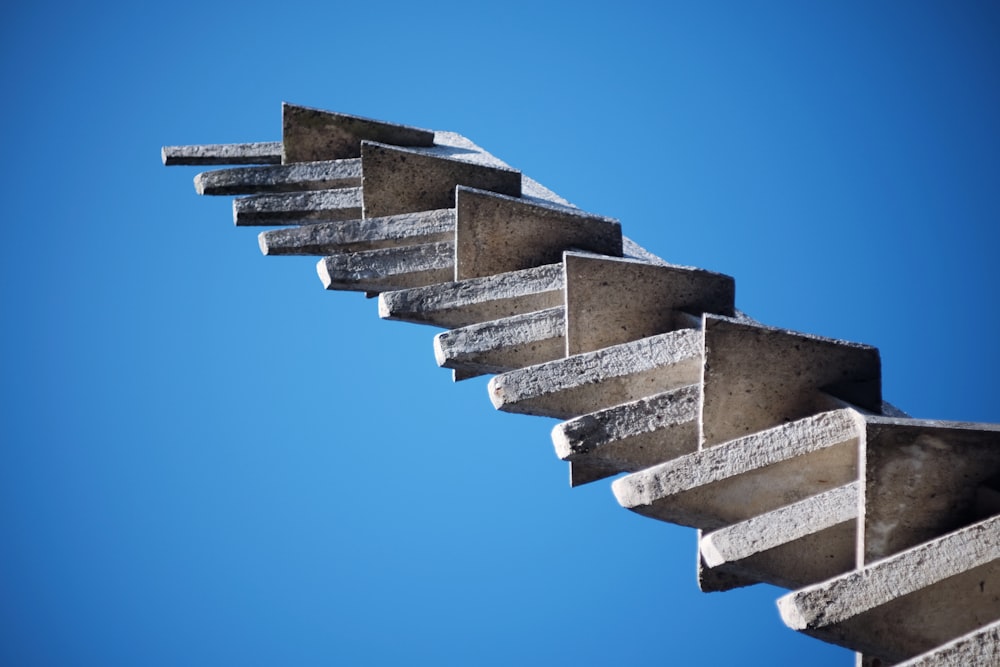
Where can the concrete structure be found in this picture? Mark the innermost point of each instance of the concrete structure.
(776, 445)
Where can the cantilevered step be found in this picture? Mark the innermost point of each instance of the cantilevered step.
(265, 152)
(309, 135)
(466, 302)
(594, 381)
(631, 436)
(327, 175)
(298, 207)
(910, 603)
(979, 648)
(375, 271)
(325, 238)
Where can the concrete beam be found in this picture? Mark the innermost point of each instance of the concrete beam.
(309, 134)
(612, 301)
(387, 268)
(459, 304)
(501, 345)
(909, 603)
(280, 178)
(265, 152)
(297, 207)
(748, 476)
(398, 180)
(757, 377)
(921, 481)
(326, 238)
(979, 648)
(631, 436)
(795, 545)
(498, 234)
(594, 381)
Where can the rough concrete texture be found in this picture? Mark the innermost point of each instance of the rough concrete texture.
(387, 268)
(397, 180)
(297, 207)
(266, 152)
(756, 377)
(498, 234)
(313, 134)
(795, 545)
(909, 603)
(613, 301)
(631, 436)
(748, 476)
(280, 178)
(594, 381)
(466, 302)
(326, 238)
(979, 648)
(921, 481)
(502, 345)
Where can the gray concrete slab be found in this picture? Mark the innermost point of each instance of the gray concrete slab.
(458, 304)
(979, 648)
(387, 268)
(297, 207)
(611, 301)
(795, 545)
(742, 478)
(264, 152)
(326, 238)
(310, 134)
(398, 180)
(757, 377)
(909, 603)
(280, 178)
(498, 234)
(631, 436)
(501, 345)
(594, 381)
(921, 480)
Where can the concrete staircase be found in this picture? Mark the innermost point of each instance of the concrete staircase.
(777, 446)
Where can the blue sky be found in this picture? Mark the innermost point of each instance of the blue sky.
(206, 459)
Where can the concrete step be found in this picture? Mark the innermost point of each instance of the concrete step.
(264, 152)
(631, 436)
(375, 271)
(325, 238)
(907, 604)
(466, 302)
(309, 135)
(280, 178)
(979, 648)
(298, 208)
(593, 381)
(498, 346)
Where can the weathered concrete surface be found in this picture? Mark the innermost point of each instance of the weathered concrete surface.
(298, 207)
(597, 380)
(498, 234)
(613, 301)
(266, 152)
(459, 304)
(748, 476)
(795, 545)
(327, 238)
(387, 268)
(501, 345)
(398, 180)
(309, 134)
(280, 178)
(921, 480)
(980, 648)
(909, 603)
(757, 377)
(631, 436)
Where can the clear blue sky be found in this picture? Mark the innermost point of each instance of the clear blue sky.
(208, 460)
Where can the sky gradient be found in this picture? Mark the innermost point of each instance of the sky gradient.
(209, 460)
